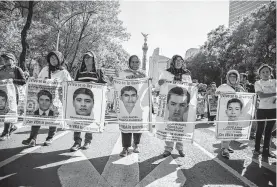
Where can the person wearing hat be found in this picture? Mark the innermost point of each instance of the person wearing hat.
(54, 70)
(88, 72)
(266, 90)
(232, 86)
(9, 70)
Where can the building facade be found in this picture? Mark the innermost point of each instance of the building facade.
(157, 64)
(238, 9)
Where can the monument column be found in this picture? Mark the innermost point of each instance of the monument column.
(144, 49)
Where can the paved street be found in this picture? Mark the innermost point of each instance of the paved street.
(102, 166)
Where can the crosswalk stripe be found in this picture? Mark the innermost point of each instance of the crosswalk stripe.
(228, 168)
(167, 173)
(121, 171)
(78, 171)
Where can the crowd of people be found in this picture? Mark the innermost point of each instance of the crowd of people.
(265, 89)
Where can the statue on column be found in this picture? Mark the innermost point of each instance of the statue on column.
(145, 37)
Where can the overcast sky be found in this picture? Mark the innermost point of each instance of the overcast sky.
(174, 26)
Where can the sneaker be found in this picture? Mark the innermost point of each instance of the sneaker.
(124, 152)
(166, 153)
(136, 148)
(230, 150)
(4, 137)
(181, 153)
(75, 147)
(14, 128)
(48, 142)
(86, 146)
(225, 153)
(30, 142)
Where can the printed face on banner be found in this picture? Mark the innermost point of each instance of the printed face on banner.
(7, 98)
(44, 99)
(129, 97)
(233, 109)
(84, 101)
(3, 100)
(132, 104)
(178, 99)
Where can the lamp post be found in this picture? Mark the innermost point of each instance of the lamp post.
(61, 23)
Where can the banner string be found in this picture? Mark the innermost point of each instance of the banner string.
(128, 122)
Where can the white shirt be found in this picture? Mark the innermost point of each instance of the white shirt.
(60, 75)
(268, 86)
(46, 112)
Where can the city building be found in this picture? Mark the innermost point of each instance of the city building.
(238, 9)
(157, 64)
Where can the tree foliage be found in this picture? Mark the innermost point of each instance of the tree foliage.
(83, 26)
(244, 47)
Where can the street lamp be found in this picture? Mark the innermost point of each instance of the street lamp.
(61, 23)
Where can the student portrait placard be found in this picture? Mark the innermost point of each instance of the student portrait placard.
(177, 103)
(233, 108)
(43, 104)
(8, 106)
(212, 104)
(84, 106)
(132, 104)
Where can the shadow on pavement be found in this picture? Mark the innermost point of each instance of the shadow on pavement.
(24, 171)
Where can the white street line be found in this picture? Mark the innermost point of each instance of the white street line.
(228, 168)
(78, 171)
(28, 150)
(4, 177)
(121, 171)
(167, 173)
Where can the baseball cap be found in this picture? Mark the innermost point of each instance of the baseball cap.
(9, 55)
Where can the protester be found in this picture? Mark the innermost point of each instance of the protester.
(10, 71)
(133, 72)
(176, 72)
(55, 70)
(232, 86)
(266, 90)
(87, 73)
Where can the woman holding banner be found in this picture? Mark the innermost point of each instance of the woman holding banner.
(232, 86)
(176, 72)
(55, 70)
(131, 73)
(87, 73)
(266, 90)
(10, 71)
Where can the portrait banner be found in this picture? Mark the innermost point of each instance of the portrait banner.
(84, 106)
(212, 104)
(233, 108)
(132, 104)
(43, 104)
(8, 106)
(177, 103)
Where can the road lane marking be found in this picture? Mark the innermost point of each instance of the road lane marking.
(78, 171)
(167, 173)
(27, 151)
(228, 168)
(121, 171)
